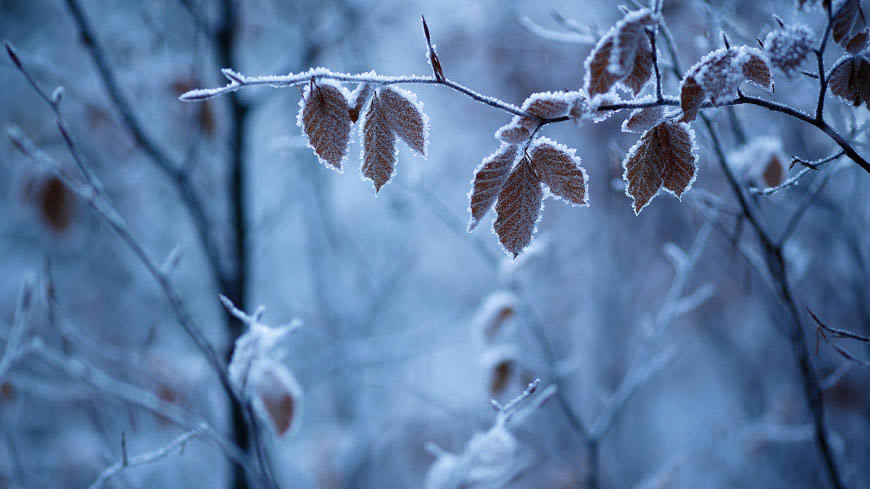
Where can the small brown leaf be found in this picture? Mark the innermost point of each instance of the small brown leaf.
(774, 171)
(559, 169)
(489, 178)
(518, 130)
(850, 80)
(500, 376)
(642, 120)
(858, 42)
(276, 395)
(379, 145)
(359, 97)
(55, 203)
(405, 116)
(756, 70)
(323, 116)
(663, 157)
(844, 19)
(598, 78)
(547, 105)
(691, 98)
(642, 71)
(518, 208)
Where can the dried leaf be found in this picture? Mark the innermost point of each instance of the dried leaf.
(757, 70)
(774, 171)
(642, 120)
(379, 145)
(518, 130)
(55, 203)
(850, 80)
(858, 42)
(843, 20)
(663, 157)
(405, 116)
(789, 47)
(691, 98)
(642, 71)
(500, 376)
(598, 78)
(358, 98)
(276, 396)
(518, 208)
(548, 105)
(323, 116)
(559, 169)
(488, 180)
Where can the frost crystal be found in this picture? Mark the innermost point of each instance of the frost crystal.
(789, 47)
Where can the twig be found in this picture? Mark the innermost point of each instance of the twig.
(146, 458)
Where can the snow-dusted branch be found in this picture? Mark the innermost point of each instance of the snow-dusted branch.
(177, 445)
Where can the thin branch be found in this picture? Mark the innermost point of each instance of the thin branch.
(146, 458)
(790, 182)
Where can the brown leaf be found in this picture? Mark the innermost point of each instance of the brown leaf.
(598, 78)
(518, 208)
(518, 130)
(850, 80)
(559, 169)
(756, 70)
(55, 203)
(277, 394)
(691, 98)
(489, 178)
(500, 376)
(642, 71)
(547, 105)
(405, 116)
(323, 116)
(379, 145)
(358, 98)
(642, 120)
(858, 42)
(774, 171)
(663, 157)
(844, 19)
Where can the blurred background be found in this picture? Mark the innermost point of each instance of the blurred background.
(659, 330)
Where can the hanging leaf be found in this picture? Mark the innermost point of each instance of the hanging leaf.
(642, 120)
(488, 180)
(858, 42)
(518, 130)
(844, 19)
(518, 208)
(718, 76)
(323, 116)
(663, 157)
(406, 118)
(379, 145)
(358, 98)
(276, 395)
(559, 169)
(623, 54)
(850, 80)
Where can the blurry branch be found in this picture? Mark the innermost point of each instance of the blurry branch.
(803, 207)
(822, 329)
(664, 475)
(809, 166)
(19, 324)
(146, 458)
(175, 171)
(567, 36)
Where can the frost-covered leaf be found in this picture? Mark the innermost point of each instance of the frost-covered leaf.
(518, 208)
(323, 116)
(858, 42)
(491, 459)
(719, 74)
(850, 80)
(518, 130)
(664, 157)
(623, 54)
(846, 14)
(276, 396)
(642, 120)
(502, 363)
(691, 98)
(358, 99)
(379, 145)
(488, 180)
(642, 71)
(559, 169)
(549, 105)
(761, 160)
(405, 116)
(494, 311)
(789, 47)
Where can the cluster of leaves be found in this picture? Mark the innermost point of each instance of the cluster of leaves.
(327, 112)
(526, 168)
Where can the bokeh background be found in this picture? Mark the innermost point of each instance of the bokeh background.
(391, 289)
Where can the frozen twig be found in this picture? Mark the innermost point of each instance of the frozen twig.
(176, 445)
(19, 325)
